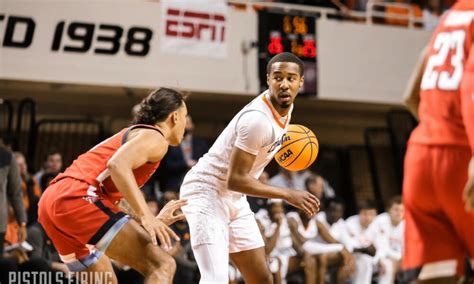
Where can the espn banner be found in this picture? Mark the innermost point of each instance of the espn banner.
(195, 27)
(129, 43)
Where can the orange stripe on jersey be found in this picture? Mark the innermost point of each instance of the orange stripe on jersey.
(275, 116)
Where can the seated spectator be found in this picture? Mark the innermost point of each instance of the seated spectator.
(279, 243)
(318, 186)
(53, 163)
(306, 232)
(332, 220)
(392, 226)
(31, 190)
(180, 159)
(369, 247)
(290, 179)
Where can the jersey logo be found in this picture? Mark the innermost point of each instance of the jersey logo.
(278, 142)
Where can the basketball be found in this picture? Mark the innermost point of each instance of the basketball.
(299, 149)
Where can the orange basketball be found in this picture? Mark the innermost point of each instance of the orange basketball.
(299, 149)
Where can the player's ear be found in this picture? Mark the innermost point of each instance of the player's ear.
(174, 117)
(268, 79)
(301, 81)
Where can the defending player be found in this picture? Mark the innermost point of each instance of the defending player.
(78, 209)
(438, 230)
(218, 213)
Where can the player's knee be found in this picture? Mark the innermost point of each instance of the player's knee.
(265, 277)
(161, 263)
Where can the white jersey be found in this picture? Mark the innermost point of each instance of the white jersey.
(257, 129)
(394, 234)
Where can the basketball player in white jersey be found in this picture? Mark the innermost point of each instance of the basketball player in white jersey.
(218, 213)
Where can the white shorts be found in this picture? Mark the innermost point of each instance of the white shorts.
(218, 217)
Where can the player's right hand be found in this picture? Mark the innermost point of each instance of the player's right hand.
(303, 200)
(157, 228)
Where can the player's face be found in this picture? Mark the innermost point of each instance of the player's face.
(179, 126)
(396, 213)
(284, 82)
(367, 216)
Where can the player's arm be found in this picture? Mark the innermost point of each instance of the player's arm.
(411, 96)
(146, 146)
(240, 180)
(467, 107)
(253, 131)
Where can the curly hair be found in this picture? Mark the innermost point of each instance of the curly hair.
(158, 105)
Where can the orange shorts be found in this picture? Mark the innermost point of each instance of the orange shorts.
(80, 227)
(437, 226)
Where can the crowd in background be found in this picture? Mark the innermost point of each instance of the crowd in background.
(427, 12)
(364, 248)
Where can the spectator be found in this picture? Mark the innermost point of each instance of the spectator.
(10, 193)
(431, 14)
(318, 186)
(306, 232)
(180, 159)
(280, 245)
(369, 246)
(333, 220)
(392, 226)
(53, 163)
(290, 179)
(31, 190)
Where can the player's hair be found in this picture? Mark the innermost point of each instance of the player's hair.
(285, 57)
(158, 105)
(394, 200)
(367, 205)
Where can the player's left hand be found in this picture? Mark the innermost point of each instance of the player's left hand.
(468, 194)
(167, 213)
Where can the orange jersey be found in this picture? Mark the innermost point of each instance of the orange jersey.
(91, 168)
(440, 109)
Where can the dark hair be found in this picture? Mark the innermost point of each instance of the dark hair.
(394, 200)
(310, 179)
(335, 200)
(368, 205)
(50, 152)
(285, 57)
(158, 105)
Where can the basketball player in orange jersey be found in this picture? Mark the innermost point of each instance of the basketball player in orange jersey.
(439, 231)
(78, 210)
(218, 213)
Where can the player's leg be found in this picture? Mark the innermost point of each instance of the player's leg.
(246, 248)
(101, 272)
(253, 265)
(454, 162)
(427, 225)
(132, 246)
(213, 262)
